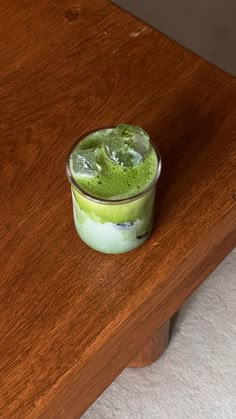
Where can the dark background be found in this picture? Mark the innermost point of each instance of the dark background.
(207, 27)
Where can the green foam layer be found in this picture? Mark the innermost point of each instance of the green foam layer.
(116, 181)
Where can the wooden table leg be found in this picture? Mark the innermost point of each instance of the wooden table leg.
(153, 349)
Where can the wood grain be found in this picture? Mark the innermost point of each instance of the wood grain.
(153, 349)
(71, 318)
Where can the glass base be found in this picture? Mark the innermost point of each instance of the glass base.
(109, 237)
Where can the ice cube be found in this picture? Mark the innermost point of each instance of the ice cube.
(86, 162)
(125, 226)
(128, 145)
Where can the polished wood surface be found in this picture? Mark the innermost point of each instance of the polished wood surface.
(72, 319)
(153, 349)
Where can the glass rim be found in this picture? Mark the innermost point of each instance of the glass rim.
(109, 201)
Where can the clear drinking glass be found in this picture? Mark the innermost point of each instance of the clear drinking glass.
(113, 225)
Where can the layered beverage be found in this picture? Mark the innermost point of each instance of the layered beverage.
(113, 174)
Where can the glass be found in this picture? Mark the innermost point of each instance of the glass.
(113, 225)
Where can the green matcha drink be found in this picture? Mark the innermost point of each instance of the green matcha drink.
(113, 173)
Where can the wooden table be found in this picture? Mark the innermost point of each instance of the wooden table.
(71, 318)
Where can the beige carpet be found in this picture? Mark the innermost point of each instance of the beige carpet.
(196, 377)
